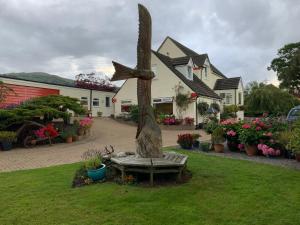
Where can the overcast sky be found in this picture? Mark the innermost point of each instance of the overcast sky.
(67, 37)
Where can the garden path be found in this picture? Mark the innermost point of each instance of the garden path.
(105, 132)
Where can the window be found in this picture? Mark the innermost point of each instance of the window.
(205, 72)
(125, 108)
(222, 95)
(228, 98)
(190, 73)
(96, 102)
(154, 70)
(240, 98)
(107, 101)
(84, 101)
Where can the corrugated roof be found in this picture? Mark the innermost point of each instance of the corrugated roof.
(229, 83)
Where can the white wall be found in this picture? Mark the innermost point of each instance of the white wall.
(170, 49)
(162, 86)
(72, 92)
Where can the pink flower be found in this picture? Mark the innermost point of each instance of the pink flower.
(258, 128)
(231, 133)
(246, 126)
(269, 134)
(277, 152)
(259, 146)
(241, 146)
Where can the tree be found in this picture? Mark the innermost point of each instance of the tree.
(287, 67)
(268, 98)
(91, 81)
(46, 107)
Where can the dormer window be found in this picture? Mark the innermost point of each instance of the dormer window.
(205, 73)
(190, 72)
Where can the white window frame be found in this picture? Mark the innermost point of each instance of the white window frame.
(107, 105)
(84, 101)
(190, 72)
(96, 100)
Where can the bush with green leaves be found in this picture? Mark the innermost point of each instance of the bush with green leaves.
(218, 135)
(93, 163)
(202, 108)
(134, 113)
(268, 98)
(210, 126)
(8, 136)
(215, 106)
(46, 107)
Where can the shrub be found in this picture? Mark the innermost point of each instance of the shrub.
(86, 123)
(249, 134)
(202, 108)
(46, 132)
(185, 140)
(215, 106)
(218, 135)
(210, 126)
(134, 113)
(93, 163)
(8, 136)
(189, 121)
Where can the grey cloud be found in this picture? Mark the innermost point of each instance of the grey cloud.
(66, 37)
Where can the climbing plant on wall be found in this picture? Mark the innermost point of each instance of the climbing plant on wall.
(182, 99)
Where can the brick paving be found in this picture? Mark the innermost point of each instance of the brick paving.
(104, 132)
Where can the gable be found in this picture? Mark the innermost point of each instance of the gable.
(169, 48)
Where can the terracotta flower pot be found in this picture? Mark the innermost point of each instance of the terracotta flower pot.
(80, 132)
(219, 148)
(75, 138)
(69, 139)
(33, 142)
(251, 150)
(297, 156)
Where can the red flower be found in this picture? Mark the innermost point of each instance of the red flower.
(246, 126)
(258, 128)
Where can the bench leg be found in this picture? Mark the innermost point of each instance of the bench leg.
(151, 178)
(179, 176)
(123, 174)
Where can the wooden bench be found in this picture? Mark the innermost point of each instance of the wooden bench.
(170, 163)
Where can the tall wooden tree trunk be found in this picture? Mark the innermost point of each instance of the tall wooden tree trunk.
(148, 136)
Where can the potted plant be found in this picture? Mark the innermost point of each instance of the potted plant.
(85, 125)
(295, 143)
(284, 138)
(96, 170)
(6, 139)
(218, 139)
(249, 136)
(205, 146)
(185, 141)
(67, 135)
(196, 142)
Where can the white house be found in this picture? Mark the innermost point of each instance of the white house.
(26, 88)
(173, 65)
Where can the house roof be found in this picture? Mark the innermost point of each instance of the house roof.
(45, 78)
(180, 60)
(198, 59)
(229, 83)
(196, 84)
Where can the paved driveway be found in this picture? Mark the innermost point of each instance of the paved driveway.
(105, 132)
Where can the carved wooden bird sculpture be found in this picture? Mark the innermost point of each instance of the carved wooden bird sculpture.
(148, 134)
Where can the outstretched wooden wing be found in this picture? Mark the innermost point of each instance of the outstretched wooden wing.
(144, 41)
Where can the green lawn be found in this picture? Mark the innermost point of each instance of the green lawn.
(222, 191)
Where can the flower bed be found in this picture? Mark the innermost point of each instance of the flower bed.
(262, 136)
